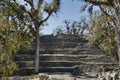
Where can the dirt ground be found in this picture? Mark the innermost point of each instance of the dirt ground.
(57, 76)
(68, 76)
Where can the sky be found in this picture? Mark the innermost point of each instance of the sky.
(68, 10)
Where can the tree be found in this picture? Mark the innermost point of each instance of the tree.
(13, 35)
(7, 66)
(115, 4)
(11, 39)
(72, 27)
(36, 14)
(102, 33)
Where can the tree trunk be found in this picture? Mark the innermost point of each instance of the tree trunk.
(37, 50)
(118, 32)
(118, 44)
(117, 20)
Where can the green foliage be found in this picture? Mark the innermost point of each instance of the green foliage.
(13, 35)
(53, 7)
(31, 18)
(103, 34)
(8, 42)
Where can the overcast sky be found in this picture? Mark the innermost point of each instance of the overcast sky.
(69, 10)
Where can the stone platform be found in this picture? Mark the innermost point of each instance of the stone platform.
(65, 53)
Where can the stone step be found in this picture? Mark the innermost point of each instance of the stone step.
(61, 39)
(81, 62)
(63, 51)
(62, 42)
(47, 63)
(72, 55)
(71, 51)
(65, 64)
(61, 69)
(29, 64)
(72, 63)
(56, 69)
(58, 57)
(47, 69)
(66, 57)
(62, 45)
(66, 45)
(61, 63)
(77, 58)
(70, 36)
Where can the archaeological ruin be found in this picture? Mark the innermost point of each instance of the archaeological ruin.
(65, 53)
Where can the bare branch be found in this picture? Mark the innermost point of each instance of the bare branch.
(39, 5)
(100, 3)
(104, 11)
(41, 22)
(30, 2)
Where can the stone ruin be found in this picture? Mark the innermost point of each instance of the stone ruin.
(65, 53)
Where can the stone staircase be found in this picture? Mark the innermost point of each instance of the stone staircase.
(65, 53)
